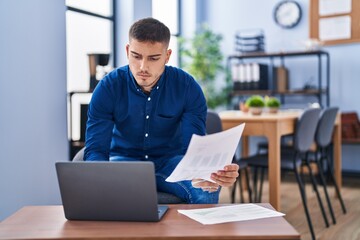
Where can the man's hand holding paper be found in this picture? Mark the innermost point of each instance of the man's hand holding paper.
(207, 161)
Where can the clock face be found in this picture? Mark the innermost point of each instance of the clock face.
(287, 14)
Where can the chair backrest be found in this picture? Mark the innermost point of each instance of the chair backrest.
(305, 129)
(213, 122)
(325, 126)
(79, 156)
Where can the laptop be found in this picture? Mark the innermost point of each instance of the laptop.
(109, 191)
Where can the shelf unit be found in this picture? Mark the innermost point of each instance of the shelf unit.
(323, 80)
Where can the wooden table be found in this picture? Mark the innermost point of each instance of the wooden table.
(48, 222)
(273, 127)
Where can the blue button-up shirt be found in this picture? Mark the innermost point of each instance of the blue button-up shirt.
(124, 121)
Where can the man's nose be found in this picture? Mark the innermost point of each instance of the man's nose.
(143, 64)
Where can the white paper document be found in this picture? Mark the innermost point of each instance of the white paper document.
(207, 154)
(329, 7)
(232, 213)
(335, 28)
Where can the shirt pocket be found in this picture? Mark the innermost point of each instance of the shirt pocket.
(166, 125)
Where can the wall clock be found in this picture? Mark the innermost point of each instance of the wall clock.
(287, 14)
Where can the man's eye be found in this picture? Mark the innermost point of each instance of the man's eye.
(136, 57)
(154, 59)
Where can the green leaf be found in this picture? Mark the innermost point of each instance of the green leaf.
(203, 59)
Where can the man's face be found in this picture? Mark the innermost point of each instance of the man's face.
(147, 62)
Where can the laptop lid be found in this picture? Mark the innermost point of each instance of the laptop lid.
(117, 191)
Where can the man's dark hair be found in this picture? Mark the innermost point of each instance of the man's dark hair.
(149, 30)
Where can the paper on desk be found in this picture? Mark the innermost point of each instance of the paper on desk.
(207, 154)
(233, 213)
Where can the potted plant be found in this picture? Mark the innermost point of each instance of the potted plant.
(273, 104)
(256, 103)
(203, 59)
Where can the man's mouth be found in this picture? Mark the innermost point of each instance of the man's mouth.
(144, 75)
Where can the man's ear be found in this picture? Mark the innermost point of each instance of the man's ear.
(127, 50)
(168, 54)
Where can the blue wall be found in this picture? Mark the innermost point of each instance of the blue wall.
(33, 133)
(227, 17)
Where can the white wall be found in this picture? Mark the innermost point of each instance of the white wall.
(33, 133)
(128, 11)
(125, 17)
(188, 18)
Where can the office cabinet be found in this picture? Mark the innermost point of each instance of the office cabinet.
(276, 76)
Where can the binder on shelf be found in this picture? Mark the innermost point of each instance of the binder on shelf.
(238, 76)
(264, 77)
(235, 73)
(282, 79)
(250, 76)
(278, 78)
(255, 68)
(242, 76)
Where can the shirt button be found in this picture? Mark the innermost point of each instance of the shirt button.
(147, 116)
(157, 87)
(149, 98)
(146, 156)
(146, 135)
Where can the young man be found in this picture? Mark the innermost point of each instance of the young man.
(148, 111)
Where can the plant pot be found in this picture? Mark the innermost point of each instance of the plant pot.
(256, 110)
(273, 109)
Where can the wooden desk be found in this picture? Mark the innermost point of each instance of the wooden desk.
(48, 222)
(273, 126)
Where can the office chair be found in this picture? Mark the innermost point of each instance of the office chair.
(163, 197)
(323, 140)
(322, 155)
(79, 156)
(303, 138)
(214, 125)
(243, 167)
